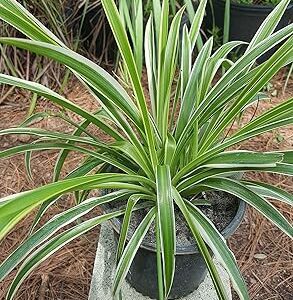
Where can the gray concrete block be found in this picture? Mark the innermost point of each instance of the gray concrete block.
(104, 268)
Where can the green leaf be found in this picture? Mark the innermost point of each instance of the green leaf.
(157, 11)
(241, 191)
(236, 159)
(19, 205)
(269, 191)
(272, 119)
(220, 249)
(54, 135)
(132, 201)
(287, 155)
(56, 98)
(132, 152)
(131, 249)
(191, 181)
(190, 100)
(240, 160)
(161, 289)
(215, 62)
(52, 226)
(266, 72)
(107, 89)
(170, 148)
(167, 68)
(16, 15)
(27, 160)
(126, 52)
(35, 30)
(230, 75)
(39, 116)
(227, 21)
(150, 62)
(201, 246)
(186, 58)
(52, 246)
(276, 117)
(58, 145)
(82, 170)
(269, 25)
(166, 225)
(64, 153)
(196, 23)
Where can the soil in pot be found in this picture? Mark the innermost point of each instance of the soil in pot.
(221, 212)
(190, 267)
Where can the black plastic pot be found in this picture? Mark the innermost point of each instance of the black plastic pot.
(246, 19)
(190, 269)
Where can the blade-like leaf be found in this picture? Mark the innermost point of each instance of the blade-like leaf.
(125, 50)
(131, 249)
(236, 159)
(167, 67)
(131, 203)
(231, 74)
(201, 246)
(102, 85)
(150, 62)
(241, 191)
(196, 23)
(233, 159)
(166, 225)
(56, 98)
(270, 24)
(191, 93)
(220, 249)
(52, 246)
(268, 70)
(19, 205)
(52, 226)
(83, 170)
(269, 191)
(55, 145)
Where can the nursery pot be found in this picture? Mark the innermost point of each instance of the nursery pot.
(245, 19)
(190, 268)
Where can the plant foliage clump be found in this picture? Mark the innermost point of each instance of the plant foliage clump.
(166, 152)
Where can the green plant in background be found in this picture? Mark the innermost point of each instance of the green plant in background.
(163, 158)
(221, 36)
(217, 35)
(65, 18)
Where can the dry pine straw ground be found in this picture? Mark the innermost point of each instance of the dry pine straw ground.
(263, 252)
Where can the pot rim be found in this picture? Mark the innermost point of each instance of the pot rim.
(252, 7)
(184, 250)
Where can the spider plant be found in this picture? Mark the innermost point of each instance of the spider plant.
(163, 156)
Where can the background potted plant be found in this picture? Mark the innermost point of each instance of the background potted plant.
(242, 18)
(169, 156)
(81, 25)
